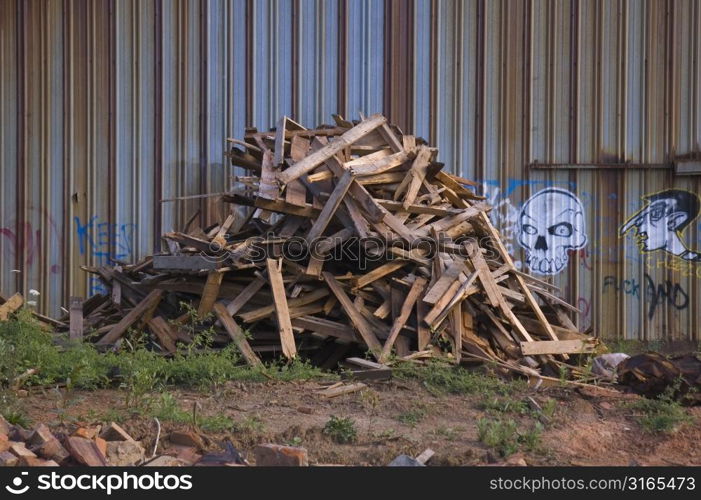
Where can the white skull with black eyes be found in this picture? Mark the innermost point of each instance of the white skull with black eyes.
(551, 223)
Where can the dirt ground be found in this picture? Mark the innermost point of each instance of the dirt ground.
(391, 417)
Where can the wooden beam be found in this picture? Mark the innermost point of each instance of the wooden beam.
(315, 159)
(120, 328)
(358, 320)
(210, 293)
(556, 347)
(10, 306)
(416, 289)
(277, 286)
(330, 207)
(75, 331)
(237, 335)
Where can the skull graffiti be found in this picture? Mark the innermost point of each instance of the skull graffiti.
(551, 223)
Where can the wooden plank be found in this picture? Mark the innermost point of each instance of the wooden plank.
(161, 330)
(457, 328)
(444, 281)
(383, 165)
(524, 287)
(10, 306)
(183, 262)
(296, 192)
(330, 207)
(556, 347)
(128, 320)
(388, 135)
(75, 331)
(210, 293)
(359, 322)
(246, 294)
(325, 327)
(268, 188)
(236, 334)
(333, 391)
(423, 332)
(282, 206)
(416, 289)
(287, 339)
(441, 211)
(316, 158)
(418, 174)
(265, 311)
(379, 272)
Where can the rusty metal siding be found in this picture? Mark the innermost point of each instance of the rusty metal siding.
(108, 107)
(572, 82)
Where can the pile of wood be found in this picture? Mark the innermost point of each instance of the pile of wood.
(340, 238)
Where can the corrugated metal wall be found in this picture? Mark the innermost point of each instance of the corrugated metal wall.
(108, 107)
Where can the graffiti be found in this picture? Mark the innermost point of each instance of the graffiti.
(675, 264)
(660, 222)
(503, 215)
(26, 241)
(105, 242)
(655, 294)
(551, 225)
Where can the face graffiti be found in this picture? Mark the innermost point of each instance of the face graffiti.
(660, 223)
(551, 224)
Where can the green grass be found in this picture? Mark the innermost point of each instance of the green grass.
(412, 417)
(442, 378)
(505, 437)
(660, 415)
(24, 345)
(341, 429)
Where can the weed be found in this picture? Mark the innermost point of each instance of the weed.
(216, 423)
(549, 408)
(504, 436)
(441, 378)
(496, 404)
(251, 424)
(16, 417)
(412, 417)
(386, 435)
(661, 415)
(341, 429)
(295, 441)
(448, 433)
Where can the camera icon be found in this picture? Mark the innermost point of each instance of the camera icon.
(16, 488)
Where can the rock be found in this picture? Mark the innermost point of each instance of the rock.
(36, 462)
(87, 432)
(516, 461)
(125, 453)
(187, 438)
(52, 450)
(5, 426)
(4, 442)
(85, 451)
(405, 461)
(165, 461)
(275, 455)
(187, 454)
(115, 432)
(42, 434)
(20, 450)
(7, 459)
